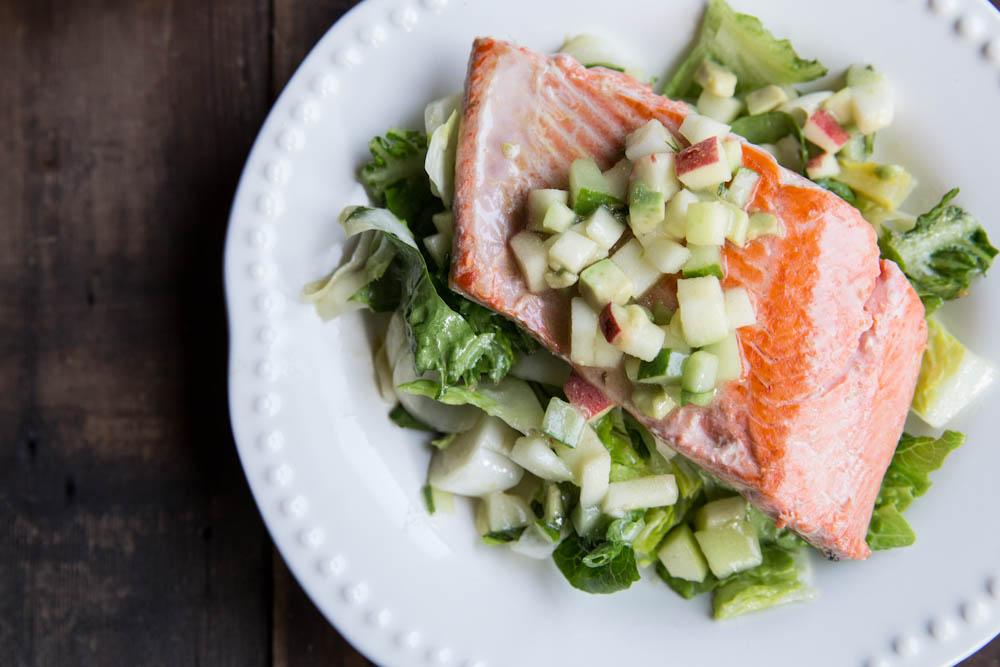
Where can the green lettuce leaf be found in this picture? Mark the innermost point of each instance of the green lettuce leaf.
(777, 580)
(742, 44)
(907, 478)
(402, 418)
(942, 253)
(396, 179)
(596, 566)
(511, 400)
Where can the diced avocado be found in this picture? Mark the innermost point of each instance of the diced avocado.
(702, 399)
(730, 548)
(645, 208)
(730, 363)
(539, 201)
(557, 218)
(588, 188)
(699, 372)
(705, 260)
(667, 366)
(885, 184)
(653, 400)
(603, 283)
(682, 556)
(707, 223)
(764, 224)
(563, 422)
(720, 512)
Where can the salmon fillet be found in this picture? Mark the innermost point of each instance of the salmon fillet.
(829, 368)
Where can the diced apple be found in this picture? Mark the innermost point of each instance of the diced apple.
(716, 79)
(557, 219)
(703, 165)
(603, 228)
(800, 108)
(702, 310)
(630, 330)
(532, 258)
(741, 189)
(572, 252)
(824, 131)
(444, 222)
(839, 105)
(604, 283)
(871, 99)
(539, 202)
(606, 355)
(765, 99)
(645, 209)
(651, 138)
(707, 223)
(588, 399)
(675, 216)
(739, 308)
(640, 271)
(657, 172)
(595, 476)
(722, 109)
(584, 328)
(532, 452)
(739, 225)
(639, 493)
(727, 351)
(697, 128)
(560, 278)
(824, 165)
(666, 254)
(617, 178)
(654, 401)
(439, 245)
(765, 224)
(734, 153)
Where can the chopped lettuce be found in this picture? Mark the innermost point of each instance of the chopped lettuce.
(780, 578)
(596, 566)
(942, 253)
(402, 418)
(906, 479)
(511, 400)
(742, 44)
(769, 128)
(440, 161)
(396, 179)
(951, 377)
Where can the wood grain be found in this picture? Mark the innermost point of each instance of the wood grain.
(128, 534)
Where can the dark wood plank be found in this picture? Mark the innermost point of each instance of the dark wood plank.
(129, 534)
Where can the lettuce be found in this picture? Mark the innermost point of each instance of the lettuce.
(401, 417)
(942, 253)
(395, 178)
(906, 479)
(741, 43)
(596, 566)
(511, 400)
(780, 578)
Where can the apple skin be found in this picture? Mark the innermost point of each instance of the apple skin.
(585, 397)
(702, 154)
(823, 165)
(610, 321)
(823, 130)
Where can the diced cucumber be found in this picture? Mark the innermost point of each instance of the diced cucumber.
(667, 366)
(765, 224)
(640, 271)
(730, 548)
(572, 252)
(739, 225)
(859, 147)
(707, 223)
(765, 99)
(563, 422)
(654, 401)
(722, 109)
(734, 153)
(648, 139)
(606, 355)
(539, 202)
(675, 216)
(682, 556)
(741, 189)
(823, 166)
(699, 372)
(595, 476)
(588, 188)
(739, 309)
(617, 178)
(534, 543)
(666, 255)
(560, 279)
(558, 217)
(438, 246)
(585, 518)
(639, 493)
(705, 260)
(697, 128)
(630, 329)
(501, 514)
(720, 512)
(715, 78)
(533, 453)
(645, 208)
(476, 462)
(673, 335)
(730, 363)
(703, 310)
(603, 283)
(590, 446)
(603, 228)
(532, 258)
(702, 399)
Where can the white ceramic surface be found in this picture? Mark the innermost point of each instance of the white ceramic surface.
(338, 484)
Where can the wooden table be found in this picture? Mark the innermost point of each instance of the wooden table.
(129, 534)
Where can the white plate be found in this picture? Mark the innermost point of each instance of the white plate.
(338, 484)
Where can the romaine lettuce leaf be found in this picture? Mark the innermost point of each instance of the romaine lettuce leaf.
(907, 478)
(942, 253)
(612, 565)
(777, 580)
(511, 400)
(741, 43)
(395, 178)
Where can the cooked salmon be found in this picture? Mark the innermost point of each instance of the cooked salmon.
(807, 432)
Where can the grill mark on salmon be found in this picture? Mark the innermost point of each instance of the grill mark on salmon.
(807, 432)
